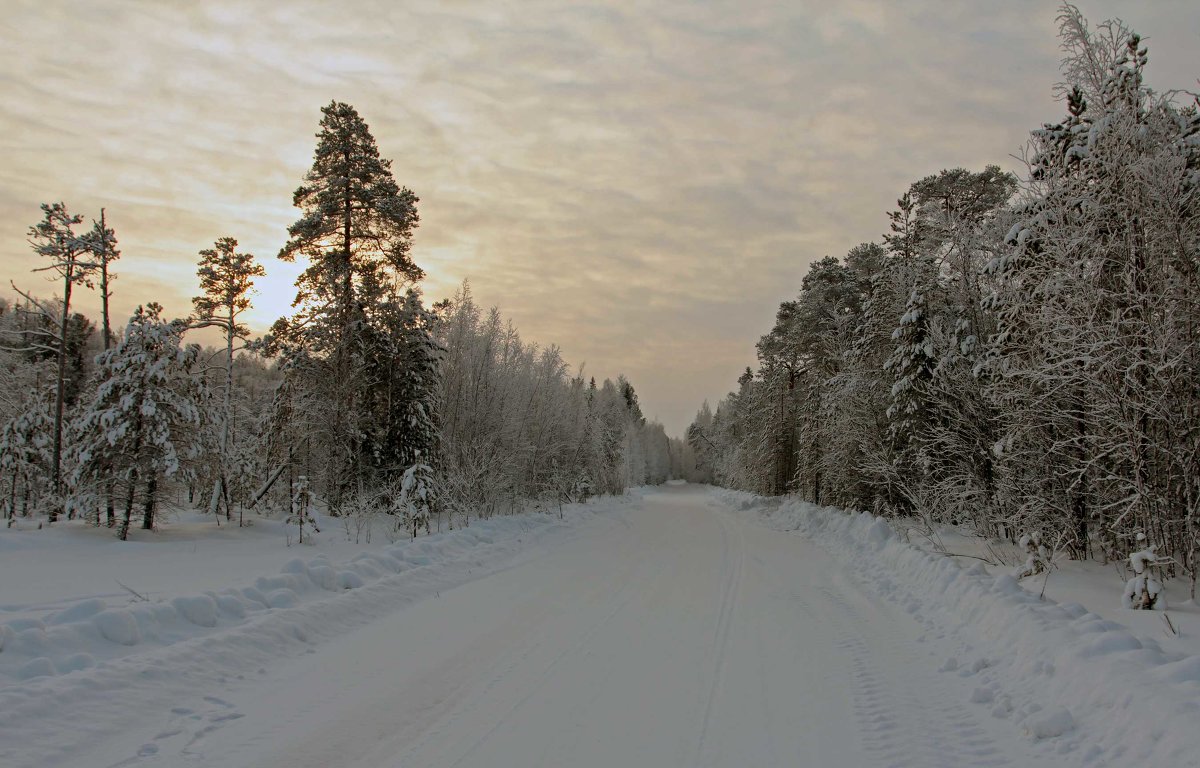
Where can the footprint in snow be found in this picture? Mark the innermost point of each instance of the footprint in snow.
(185, 730)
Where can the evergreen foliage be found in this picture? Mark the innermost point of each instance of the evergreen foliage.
(226, 280)
(356, 233)
(142, 422)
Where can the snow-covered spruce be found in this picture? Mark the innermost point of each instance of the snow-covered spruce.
(141, 423)
(1144, 590)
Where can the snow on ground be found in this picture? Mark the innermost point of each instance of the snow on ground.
(1103, 693)
(1089, 583)
(674, 627)
(83, 613)
(64, 590)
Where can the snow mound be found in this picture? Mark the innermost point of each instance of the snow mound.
(1048, 726)
(283, 598)
(118, 626)
(200, 610)
(77, 612)
(323, 576)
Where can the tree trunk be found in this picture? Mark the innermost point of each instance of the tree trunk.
(1079, 501)
(148, 509)
(104, 295)
(221, 485)
(60, 391)
(123, 531)
(227, 422)
(109, 486)
(133, 473)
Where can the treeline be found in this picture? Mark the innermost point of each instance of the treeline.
(364, 398)
(516, 425)
(1019, 355)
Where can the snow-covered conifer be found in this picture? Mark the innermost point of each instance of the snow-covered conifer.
(300, 509)
(356, 233)
(54, 238)
(141, 424)
(226, 280)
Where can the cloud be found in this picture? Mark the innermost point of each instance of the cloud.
(639, 182)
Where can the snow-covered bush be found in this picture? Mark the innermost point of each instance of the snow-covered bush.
(1144, 591)
(417, 497)
(301, 507)
(1037, 557)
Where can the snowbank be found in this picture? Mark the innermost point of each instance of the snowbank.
(94, 630)
(1099, 693)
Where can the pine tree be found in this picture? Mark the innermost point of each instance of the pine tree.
(356, 233)
(102, 243)
(417, 497)
(26, 457)
(54, 237)
(300, 507)
(420, 383)
(226, 279)
(399, 405)
(356, 219)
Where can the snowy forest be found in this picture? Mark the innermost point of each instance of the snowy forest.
(1017, 355)
(365, 401)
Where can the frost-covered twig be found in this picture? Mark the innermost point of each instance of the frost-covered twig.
(136, 595)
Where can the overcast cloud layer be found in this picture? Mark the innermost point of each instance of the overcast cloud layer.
(639, 183)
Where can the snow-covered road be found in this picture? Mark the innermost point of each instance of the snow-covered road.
(670, 632)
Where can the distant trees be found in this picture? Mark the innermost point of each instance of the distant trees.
(1020, 362)
(517, 426)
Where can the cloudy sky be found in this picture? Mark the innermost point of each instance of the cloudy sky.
(640, 183)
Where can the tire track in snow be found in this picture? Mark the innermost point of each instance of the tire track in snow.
(724, 622)
(909, 723)
(764, 671)
(624, 594)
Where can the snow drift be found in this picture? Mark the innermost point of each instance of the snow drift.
(95, 657)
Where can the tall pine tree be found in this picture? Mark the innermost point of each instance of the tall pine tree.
(356, 234)
(226, 279)
(54, 237)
